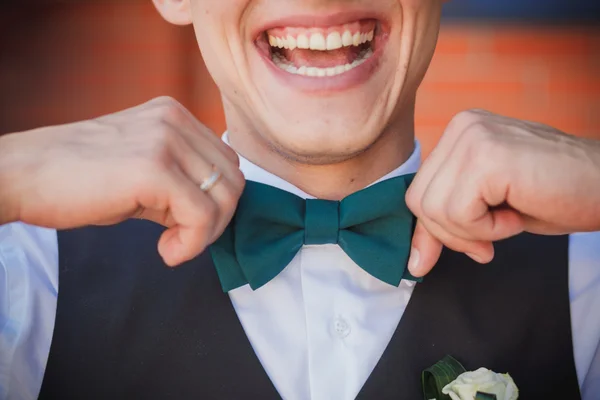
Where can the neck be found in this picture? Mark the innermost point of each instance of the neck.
(337, 180)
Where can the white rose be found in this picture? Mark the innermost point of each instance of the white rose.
(466, 386)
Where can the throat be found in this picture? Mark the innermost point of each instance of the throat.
(328, 176)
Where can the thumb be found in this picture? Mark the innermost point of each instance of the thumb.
(424, 253)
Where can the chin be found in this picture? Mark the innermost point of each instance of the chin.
(320, 144)
(318, 156)
(322, 85)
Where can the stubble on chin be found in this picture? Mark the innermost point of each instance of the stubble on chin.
(316, 158)
(320, 157)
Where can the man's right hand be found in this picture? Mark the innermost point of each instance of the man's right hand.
(145, 162)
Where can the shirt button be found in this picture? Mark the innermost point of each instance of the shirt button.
(341, 327)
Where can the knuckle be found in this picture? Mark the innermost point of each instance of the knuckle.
(169, 109)
(478, 143)
(478, 112)
(230, 197)
(198, 240)
(464, 118)
(464, 121)
(471, 115)
(456, 213)
(458, 245)
(159, 151)
(476, 133)
(206, 215)
(168, 137)
(452, 210)
(412, 201)
(444, 237)
(163, 100)
(164, 138)
(238, 180)
(233, 155)
(431, 209)
(175, 114)
(484, 150)
(165, 135)
(151, 185)
(455, 243)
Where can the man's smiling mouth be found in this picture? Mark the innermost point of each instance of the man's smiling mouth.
(321, 51)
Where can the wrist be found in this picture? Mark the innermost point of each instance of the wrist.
(594, 155)
(9, 171)
(19, 156)
(591, 156)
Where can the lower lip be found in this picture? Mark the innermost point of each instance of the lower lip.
(344, 81)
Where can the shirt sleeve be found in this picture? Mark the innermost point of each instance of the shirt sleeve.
(28, 294)
(584, 292)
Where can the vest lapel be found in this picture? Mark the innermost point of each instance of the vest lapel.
(510, 316)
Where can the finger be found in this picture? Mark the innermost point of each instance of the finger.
(193, 213)
(161, 217)
(534, 225)
(480, 251)
(464, 204)
(226, 196)
(472, 218)
(434, 161)
(477, 206)
(198, 134)
(224, 192)
(225, 164)
(425, 251)
(211, 151)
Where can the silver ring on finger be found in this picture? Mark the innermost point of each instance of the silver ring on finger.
(211, 181)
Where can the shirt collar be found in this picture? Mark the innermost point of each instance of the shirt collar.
(253, 172)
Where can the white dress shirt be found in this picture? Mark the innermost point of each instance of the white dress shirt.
(318, 328)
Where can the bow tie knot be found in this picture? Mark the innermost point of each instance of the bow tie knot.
(373, 227)
(322, 222)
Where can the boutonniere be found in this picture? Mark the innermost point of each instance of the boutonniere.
(449, 380)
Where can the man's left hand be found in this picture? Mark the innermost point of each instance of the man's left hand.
(492, 177)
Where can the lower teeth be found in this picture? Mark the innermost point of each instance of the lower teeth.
(285, 65)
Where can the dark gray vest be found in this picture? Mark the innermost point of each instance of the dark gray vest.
(127, 327)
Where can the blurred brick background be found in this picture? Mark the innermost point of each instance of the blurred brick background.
(66, 61)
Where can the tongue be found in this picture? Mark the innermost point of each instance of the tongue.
(322, 59)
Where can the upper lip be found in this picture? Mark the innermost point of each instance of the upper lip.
(312, 20)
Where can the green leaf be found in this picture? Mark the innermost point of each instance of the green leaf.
(439, 375)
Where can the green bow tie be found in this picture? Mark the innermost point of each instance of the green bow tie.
(373, 226)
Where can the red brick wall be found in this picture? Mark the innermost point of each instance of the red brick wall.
(71, 61)
(541, 73)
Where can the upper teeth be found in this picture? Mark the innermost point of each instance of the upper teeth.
(317, 41)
